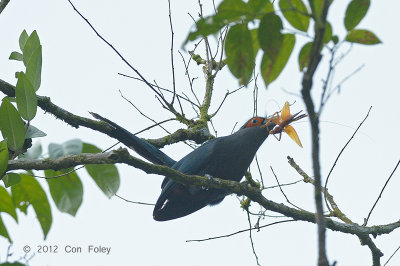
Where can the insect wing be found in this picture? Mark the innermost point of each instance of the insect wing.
(285, 114)
(292, 134)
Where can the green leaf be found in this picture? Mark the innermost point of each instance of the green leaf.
(205, 27)
(355, 12)
(272, 67)
(29, 192)
(70, 147)
(22, 40)
(34, 68)
(16, 56)
(260, 7)
(11, 125)
(15, 263)
(105, 175)
(32, 43)
(66, 191)
(254, 38)
(328, 33)
(335, 39)
(90, 148)
(269, 34)
(230, 12)
(232, 9)
(362, 37)
(304, 55)
(293, 11)
(26, 97)
(239, 52)
(55, 150)
(6, 204)
(73, 146)
(3, 231)
(11, 179)
(3, 157)
(17, 73)
(34, 132)
(33, 152)
(10, 99)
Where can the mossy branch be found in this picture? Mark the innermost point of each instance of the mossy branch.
(253, 193)
(196, 133)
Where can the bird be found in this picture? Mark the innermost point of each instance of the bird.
(226, 157)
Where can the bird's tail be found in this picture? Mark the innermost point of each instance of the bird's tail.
(142, 147)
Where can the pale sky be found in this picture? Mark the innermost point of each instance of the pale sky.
(80, 75)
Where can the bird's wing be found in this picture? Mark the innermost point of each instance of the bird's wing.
(194, 162)
(177, 200)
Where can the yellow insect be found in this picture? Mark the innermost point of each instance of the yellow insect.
(282, 123)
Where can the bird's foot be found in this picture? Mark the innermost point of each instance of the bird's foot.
(210, 179)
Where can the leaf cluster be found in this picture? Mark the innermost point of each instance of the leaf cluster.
(21, 189)
(258, 26)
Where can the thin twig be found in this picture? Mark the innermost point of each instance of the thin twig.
(160, 97)
(262, 214)
(190, 80)
(338, 86)
(260, 172)
(163, 89)
(155, 125)
(251, 238)
(340, 153)
(223, 100)
(290, 93)
(307, 179)
(143, 114)
(154, 121)
(380, 194)
(285, 184)
(280, 187)
(233, 128)
(134, 202)
(112, 47)
(326, 81)
(238, 232)
(172, 51)
(255, 93)
(222, 36)
(214, 129)
(8, 254)
(391, 256)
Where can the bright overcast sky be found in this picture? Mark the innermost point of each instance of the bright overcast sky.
(80, 75)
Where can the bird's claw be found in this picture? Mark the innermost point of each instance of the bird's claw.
(210, 180)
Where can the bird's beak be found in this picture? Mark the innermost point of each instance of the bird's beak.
(268, 123)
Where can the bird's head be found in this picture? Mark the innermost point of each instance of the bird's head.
(258, 121)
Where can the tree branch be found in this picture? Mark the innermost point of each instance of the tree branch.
(123, 156)
(364, 239)
(307, 82)
(3, 4)
(197, 133)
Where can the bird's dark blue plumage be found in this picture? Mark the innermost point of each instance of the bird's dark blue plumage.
(225, 157)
